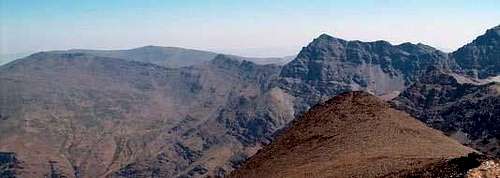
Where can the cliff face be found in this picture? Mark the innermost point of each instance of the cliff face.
(354, 134)
(467, 112)
(328, 66)
(480, 58)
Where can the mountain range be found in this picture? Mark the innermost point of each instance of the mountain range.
(171, 112)
(172, 57)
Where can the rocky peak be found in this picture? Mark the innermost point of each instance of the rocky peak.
(493, 33)
(324, 45)
(480, 58)
(325, 38)
(326, 52)
(329, 66)
(490, 38)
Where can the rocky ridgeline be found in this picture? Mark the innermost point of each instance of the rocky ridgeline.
(480, 58)
(328, 66)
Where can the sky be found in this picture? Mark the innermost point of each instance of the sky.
(256, 28)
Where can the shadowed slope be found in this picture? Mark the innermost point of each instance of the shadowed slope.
(468, 112)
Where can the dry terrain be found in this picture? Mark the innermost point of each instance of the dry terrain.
(352, 135)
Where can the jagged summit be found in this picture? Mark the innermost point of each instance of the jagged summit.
(407, 46)
(480, 58)
(496, 29)
(324, 36)
(354, 134)
(326, 40)
(491, 37)
(329, 66)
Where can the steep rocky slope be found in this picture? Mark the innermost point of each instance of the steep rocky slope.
(354, 134)
(328, 66)
(468, 112)
(481, 57)
(230, 134)
(90, 116)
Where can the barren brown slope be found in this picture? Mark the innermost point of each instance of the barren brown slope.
(352, 135)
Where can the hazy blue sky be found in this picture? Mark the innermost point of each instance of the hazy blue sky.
(250, 27)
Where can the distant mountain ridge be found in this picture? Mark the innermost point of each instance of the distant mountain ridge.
(163, 56)
(167, 56)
